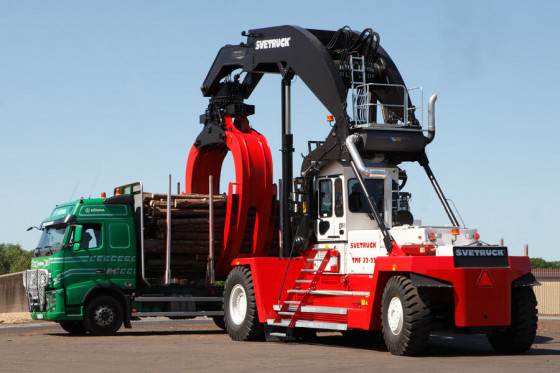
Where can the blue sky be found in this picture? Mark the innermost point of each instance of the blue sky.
(96, 94)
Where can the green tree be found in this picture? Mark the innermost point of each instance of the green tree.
(13, 258)
(541, 263)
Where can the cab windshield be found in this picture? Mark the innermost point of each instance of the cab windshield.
(50, 241)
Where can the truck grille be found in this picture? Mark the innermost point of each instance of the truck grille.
(35, 281)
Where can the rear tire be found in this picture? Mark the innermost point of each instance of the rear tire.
(103, 316)
(73, 327)
(519, 336)
(406, 317)
(240, 307)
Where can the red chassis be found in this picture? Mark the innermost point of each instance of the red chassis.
(481, 296)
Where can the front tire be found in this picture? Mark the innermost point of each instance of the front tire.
(406, 317)
(240, 307)
(519, 336)
(103, 316)
(73, 327)
(220, 322)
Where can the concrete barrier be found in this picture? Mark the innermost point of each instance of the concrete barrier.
(12, 293)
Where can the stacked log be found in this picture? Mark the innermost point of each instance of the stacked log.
(189, 234)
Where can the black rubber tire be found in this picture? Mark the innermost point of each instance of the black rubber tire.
(412, 336)
(220, 322)
(519, 336)
(73, 327)
(103, 315)
(242, 323)
(364, 337)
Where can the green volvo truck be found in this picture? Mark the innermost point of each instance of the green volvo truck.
(88, 272)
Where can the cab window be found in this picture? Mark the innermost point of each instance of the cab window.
(338, 200)
(91, 236)
(325, 198)
(357, 200)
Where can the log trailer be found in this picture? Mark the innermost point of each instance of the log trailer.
(351, 258)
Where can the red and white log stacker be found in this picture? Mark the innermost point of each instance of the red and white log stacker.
(352, 256)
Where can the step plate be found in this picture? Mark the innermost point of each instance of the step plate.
(314, 309)
(310, 324)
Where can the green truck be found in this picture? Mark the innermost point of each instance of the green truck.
(88, 272)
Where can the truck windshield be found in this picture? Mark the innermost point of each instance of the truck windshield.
(50, 241)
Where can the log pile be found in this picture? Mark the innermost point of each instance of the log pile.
(189, 234)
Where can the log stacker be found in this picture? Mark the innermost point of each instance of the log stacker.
(352, 256)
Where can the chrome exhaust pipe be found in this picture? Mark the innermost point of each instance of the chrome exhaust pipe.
(431, 119)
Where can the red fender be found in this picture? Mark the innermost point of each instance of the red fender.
(252, 191)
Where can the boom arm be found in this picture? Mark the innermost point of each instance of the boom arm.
(321, 60)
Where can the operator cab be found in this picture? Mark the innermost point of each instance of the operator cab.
(341, 205)
(343, 219)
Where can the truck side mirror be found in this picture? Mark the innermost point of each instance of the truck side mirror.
(77, 237)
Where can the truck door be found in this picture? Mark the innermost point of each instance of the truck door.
(86, 263)
(331, 223)
(365, 241)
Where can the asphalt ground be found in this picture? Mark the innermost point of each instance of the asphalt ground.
(163, 345)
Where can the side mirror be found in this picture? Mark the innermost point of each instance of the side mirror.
(77, 237)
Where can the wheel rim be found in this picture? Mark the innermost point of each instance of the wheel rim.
(238, 304)
(104, 316)
(395, 316)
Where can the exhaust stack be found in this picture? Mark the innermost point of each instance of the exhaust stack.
(431, 118)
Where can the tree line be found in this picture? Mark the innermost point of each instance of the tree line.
(541, 263)
(13, 258)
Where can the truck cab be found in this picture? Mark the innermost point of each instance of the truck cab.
(86, 245)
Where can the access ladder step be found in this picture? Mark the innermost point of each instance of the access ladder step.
(310, 324)
(279, 335)
(312, 309)
(303, 281)
(286, 313)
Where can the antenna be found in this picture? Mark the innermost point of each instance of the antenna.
(74, 191)
(94, 182)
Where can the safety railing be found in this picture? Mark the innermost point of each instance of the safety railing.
(365, 108)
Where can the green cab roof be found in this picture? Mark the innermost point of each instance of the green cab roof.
(85, 208)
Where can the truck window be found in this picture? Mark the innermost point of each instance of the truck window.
(338, 200)
(325, 198)
(119, 236)
(91, 237)
(357, 200)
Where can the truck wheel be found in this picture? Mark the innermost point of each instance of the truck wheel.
(103, 316)
(519, 336)
(220, 322)
(240, 307)
(73, 327)
(406, 317)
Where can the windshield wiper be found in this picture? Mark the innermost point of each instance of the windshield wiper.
(50, 250)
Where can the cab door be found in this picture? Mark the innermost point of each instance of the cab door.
(331, 222)
(84, 263)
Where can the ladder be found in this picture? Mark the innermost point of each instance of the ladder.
(291, 310)
(360, 91)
